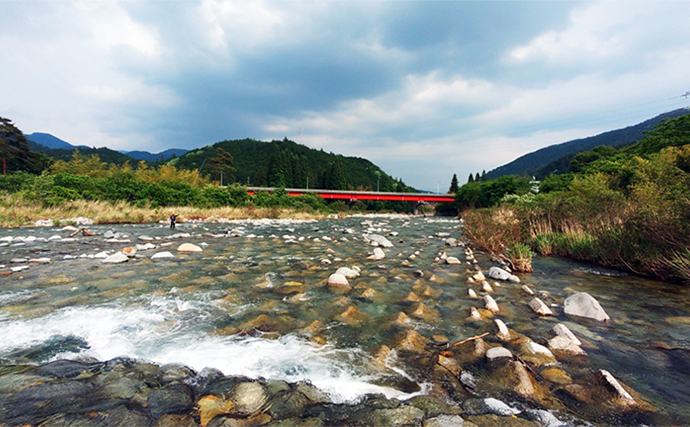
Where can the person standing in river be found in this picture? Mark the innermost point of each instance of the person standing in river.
(173, 218)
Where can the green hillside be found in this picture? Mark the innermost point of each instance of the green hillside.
(557, 158)
(287, 164)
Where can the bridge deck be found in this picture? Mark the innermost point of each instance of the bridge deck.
(360, 195)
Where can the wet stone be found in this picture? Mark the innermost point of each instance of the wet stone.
(171, 399)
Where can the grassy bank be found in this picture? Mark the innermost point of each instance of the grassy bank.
(16, 212)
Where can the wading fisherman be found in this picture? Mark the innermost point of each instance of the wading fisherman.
(173, 218)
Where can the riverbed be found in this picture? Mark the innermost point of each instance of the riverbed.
(256, 302)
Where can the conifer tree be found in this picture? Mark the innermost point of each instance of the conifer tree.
(453, 184)
(470, 179)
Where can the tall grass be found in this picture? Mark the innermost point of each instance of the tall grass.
(17, 212)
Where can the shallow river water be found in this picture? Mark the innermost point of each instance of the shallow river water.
(256, 303)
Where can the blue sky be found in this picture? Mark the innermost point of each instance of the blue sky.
(423, 89)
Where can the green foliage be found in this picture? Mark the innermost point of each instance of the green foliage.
(291, 165)
(15, 155)
(453, 185)
(485, 194)
(555, 183)
(627, 208)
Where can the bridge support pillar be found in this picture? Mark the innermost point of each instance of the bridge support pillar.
(416, 208)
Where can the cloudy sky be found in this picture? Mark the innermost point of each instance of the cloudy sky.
(423, 89)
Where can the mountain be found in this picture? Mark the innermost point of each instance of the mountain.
(49, 141)
(556, 158)
(155, 157)
(56, 148)
(287, 164)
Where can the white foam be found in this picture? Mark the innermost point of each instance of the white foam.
(171, 330)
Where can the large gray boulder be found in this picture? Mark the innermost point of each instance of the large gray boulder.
(584, 305)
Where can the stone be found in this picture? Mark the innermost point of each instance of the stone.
(378, 255)
(490, 304)
(472, 294)
(495, 353)
(527, 290)
(445, 421)
(162, 255)
(536, 354)
(170, 399)
(500, 274)
(612, 384)
(540, 308)
(503, 332)
(249, 397)
(411, 340)
(338, 283)
(403, 415)
(556, 376)
(379, 240)
(189, 247)
(349, 273)
(451, 260)
(584, 305)
(43, 260)
(479, 277)
(474, 314)
(116, 258)
(486, 287)
(130, 251)
(212, 406)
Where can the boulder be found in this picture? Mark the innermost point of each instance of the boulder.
(584, 305)
(540, 308)
(189, 247)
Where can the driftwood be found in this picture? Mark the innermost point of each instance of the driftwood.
(469, 339)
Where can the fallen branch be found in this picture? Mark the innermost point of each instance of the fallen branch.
(470, 339)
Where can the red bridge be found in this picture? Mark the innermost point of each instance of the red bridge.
(361, 195)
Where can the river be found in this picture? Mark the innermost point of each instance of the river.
(256, 303)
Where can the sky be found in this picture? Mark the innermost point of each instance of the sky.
(424, 90)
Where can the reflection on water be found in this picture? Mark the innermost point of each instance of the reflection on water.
(258, 305)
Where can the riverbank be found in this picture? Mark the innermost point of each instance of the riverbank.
(21, 213)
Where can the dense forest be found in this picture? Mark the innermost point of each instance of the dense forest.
(288, 164)
(627, 208)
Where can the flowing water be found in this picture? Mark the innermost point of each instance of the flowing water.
(258, 305)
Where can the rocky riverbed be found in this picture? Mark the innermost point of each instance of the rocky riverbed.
(387, 320)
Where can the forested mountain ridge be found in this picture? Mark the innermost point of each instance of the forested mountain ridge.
(288, 164)
(557, 158)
